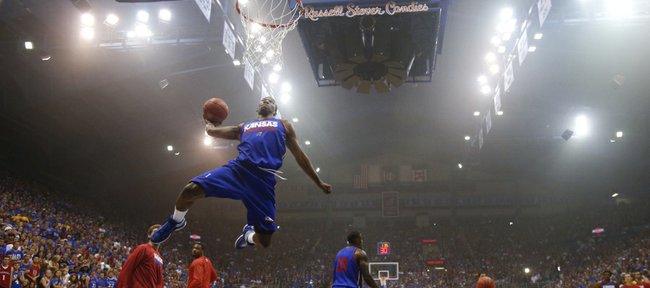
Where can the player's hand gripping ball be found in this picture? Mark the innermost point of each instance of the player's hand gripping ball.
(215, 110)
(485, 282)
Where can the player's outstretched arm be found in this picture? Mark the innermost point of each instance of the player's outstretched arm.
(226, 132)
(362, 259)
(302, 159)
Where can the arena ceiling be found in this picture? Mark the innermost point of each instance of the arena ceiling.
(91, 118)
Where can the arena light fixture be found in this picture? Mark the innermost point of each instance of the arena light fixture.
(236, 62)
(500, 113)
(482, 79)
(532, 48)
(317, 169)
(295, 120)
(538, 36)
(511, 223)
(111, 20)
(286, 87)
(477, 113)
(164, 15)
(526, 270)
(243, 2)
(496, 41)
(506, 13)
(142, 16)
(467, 137)
(501, 49)
(177, 153)
(307, 142)
(460, 165)
(142, 31)
(29, 45)
(612, 141)
(619, 134)
(277, 67)
(170, 148)
(46, 57)
(614, 195)
(581, 126)
(87, 19)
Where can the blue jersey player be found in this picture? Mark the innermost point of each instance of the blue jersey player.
(250, 177)
(351, 264)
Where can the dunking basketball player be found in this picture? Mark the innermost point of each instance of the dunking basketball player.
(250, 177)
(351, 263)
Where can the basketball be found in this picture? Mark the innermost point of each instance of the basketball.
(215, 110)
(485, 282)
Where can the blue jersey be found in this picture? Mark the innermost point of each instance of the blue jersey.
(111, 282)
(346, 270)
(263, 143)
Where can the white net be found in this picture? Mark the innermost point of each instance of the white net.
(266, 23)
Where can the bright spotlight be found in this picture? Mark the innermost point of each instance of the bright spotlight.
(506, 36)
(619, 134)
(29, 45)
(467, 138)
(46, 57)
(236, 62)
(170, 148)
(460, 165)
(532, 48)
(207, 141)
(277, 67)
(612, 141)
(485, 89)
(526, 270)
(581, 126)
(284, 98)
(264, 60)
(317, 169)
(538, 36)
(111, 20)
(494, 69)
(482, 79)
(87, 19)
(501, 49)
(490, 57)
(307, 142)
(614, 195)
(500, 113)
(87, 33)
(130, 34)
(620, 8)
(295, 120)
(477, 113)
(511, 223)
(270, 53)
(243, 2)
(142, 16)
(506, 13)
(274, 77)
(164, 15)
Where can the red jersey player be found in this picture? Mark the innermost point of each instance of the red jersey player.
(201, 273)
(5, 273)
(629, 282)
(144, 266)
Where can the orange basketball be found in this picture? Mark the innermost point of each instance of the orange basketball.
(215, 110)
(485, 282)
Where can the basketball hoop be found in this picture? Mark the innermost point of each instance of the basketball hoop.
(266, 23)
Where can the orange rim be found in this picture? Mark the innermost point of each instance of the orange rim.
(266, 25)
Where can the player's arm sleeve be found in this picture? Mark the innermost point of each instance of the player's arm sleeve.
(226, 132)
(134, 259)
(197, 275)
(362, 260)
(213, 274)
(300, 156)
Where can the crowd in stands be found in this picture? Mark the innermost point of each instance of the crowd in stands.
(54, 243)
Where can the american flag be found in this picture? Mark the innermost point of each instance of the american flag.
(361, 180)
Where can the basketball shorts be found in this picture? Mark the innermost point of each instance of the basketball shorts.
(253, 186)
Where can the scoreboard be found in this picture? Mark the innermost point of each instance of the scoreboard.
(383, 248)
